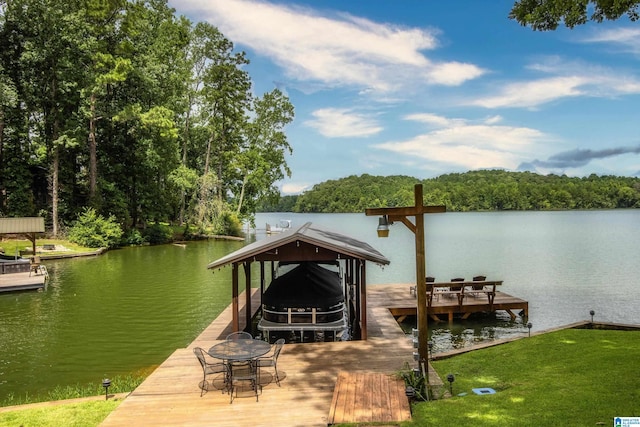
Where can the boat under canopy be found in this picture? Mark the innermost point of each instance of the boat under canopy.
(306, 298)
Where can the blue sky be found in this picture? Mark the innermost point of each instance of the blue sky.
(427, 87)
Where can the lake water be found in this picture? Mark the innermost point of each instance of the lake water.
(130, 309)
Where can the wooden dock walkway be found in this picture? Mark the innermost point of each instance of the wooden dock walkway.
(309, 373)
(13, 282)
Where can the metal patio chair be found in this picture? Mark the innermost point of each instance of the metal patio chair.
(272, 361)
(241, 335)
(242, 373)
(210, 368)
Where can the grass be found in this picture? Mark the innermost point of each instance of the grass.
(119, 384)
(574, 377)
(13, 246)
(85, 414)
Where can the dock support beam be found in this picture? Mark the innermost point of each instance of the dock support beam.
(401, 214)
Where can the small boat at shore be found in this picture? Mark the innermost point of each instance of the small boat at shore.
(283, 225)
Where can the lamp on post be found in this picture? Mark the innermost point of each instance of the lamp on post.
(383, 227)
(389, 216)
(529, 326)
(106, 383)
(592, 313)
(451, 379)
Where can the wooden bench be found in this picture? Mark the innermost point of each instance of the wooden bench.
(461, 289)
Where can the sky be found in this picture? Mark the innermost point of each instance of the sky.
(426, 87)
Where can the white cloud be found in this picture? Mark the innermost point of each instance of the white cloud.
(295, 187)
(466, 145)
(343, 123)
(337, 51)
(453, 73)
(627, 38)
(534, 93)
(565, 79)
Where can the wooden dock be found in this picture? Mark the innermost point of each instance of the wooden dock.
(309, 375)
(402, 302)
(14, 282)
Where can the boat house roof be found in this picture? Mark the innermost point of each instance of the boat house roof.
(305, 243)
(21, 225)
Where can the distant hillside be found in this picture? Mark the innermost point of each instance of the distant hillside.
(484, 190)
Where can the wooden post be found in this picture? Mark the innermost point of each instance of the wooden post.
(235, 322)
(421, 280)
(247, 296)
(363, 297)
(400, 214)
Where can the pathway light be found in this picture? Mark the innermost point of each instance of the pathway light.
(451, 379)
(592, 313)
(529, 325)
(106, 383)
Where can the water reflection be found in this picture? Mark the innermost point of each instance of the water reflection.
(478, 329)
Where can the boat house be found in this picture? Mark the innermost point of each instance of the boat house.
(317, 283)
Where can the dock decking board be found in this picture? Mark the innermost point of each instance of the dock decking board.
(368, 397)
(308, 372)
(24, 281)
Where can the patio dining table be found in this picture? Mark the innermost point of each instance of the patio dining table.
(239, 350)
(241, 356)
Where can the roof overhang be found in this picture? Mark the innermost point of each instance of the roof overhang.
(306, 243)
(22, 225)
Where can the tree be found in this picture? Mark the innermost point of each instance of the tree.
(262, 162)
(544, 15)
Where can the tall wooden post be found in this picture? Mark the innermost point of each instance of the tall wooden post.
(401, 214)
(421, 279)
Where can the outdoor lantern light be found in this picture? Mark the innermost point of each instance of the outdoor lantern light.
(529, 325)
(451, 378)
(592, 313)
(383, 226)
(106, 383)
(430, 345)
(410, 392)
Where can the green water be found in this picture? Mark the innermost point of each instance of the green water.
(118, 313)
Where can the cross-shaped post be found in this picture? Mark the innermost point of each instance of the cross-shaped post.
(401, 214)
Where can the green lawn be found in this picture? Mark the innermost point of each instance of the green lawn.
(13, 246)
(574, 377)
(85, 414)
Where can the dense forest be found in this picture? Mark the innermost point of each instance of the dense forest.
(483, 190)
(122, 107)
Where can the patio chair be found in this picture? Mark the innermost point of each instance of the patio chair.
(209, 368)
(241, 374)
(35, 266)
(476, 289)
(272, 361)
(241, 335)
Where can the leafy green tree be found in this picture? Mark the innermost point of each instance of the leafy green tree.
(95, 231)
(262, 161)
(474, 191)
(544, 15)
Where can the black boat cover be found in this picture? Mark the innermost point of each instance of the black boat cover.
(307, 285)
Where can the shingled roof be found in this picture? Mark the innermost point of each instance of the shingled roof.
(345, 246)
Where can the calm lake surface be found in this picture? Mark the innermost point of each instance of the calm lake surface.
(129, 309)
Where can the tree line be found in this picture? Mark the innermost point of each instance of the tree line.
(123, 107)
(483, 190)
